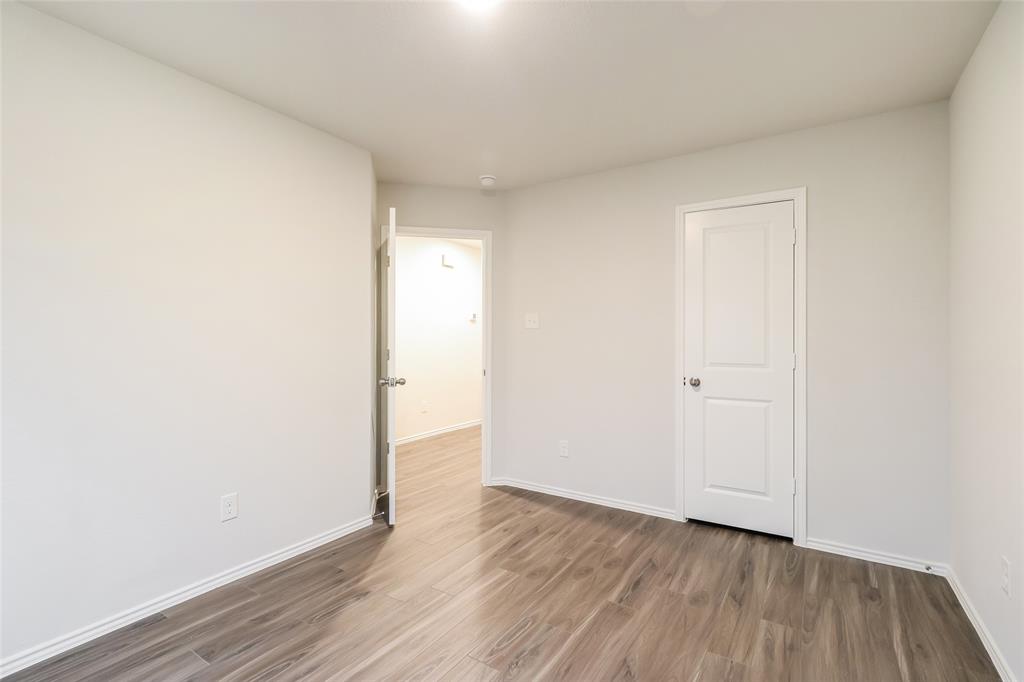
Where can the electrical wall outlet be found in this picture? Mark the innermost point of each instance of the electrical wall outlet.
(563, 448)
(228, 507)
(1004, 582)
(531, 321)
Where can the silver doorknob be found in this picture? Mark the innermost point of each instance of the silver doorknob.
(695, 382)
(400, 382)
(383, 382)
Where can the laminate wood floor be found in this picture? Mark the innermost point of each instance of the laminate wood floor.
(495, 583)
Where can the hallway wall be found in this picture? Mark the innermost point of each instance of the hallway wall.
(438, 341)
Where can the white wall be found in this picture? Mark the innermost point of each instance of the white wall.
(438, 345)
(451, 207)
(186, 307)
(594, 255)
(987, 222)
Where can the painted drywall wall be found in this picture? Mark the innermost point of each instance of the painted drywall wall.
(987, 228)
(186, 308)
(594, 256)
(438, 334)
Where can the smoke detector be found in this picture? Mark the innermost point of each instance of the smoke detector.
(487, 181)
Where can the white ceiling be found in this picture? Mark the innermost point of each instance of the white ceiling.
(535, 91)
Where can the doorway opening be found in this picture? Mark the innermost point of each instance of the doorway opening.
(436, 313)
(439, 346)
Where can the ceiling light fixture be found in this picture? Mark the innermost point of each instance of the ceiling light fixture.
(487, 181)
(478, 5)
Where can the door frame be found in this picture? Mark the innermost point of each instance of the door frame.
(798, 195)
(486, 263)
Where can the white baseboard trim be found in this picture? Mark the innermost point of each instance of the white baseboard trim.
(898, 560)
(1002, 667)
(437, 432)
(586, 497)
(23, 659)
(998, 660)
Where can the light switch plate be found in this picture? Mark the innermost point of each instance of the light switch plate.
(532, 321)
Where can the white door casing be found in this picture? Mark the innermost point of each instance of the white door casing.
(738, 342)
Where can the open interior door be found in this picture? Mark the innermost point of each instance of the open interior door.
(388, 382)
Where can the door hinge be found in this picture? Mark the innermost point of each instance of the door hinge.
(485, 372)
(794, 487)
(389, 261)
(794, 237)
(794, 362)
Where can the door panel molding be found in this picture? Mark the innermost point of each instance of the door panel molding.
(798, 196)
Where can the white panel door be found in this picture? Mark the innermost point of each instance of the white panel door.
(389, 382)
(738, 367)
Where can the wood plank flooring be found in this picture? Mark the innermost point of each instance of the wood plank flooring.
(501, 584)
